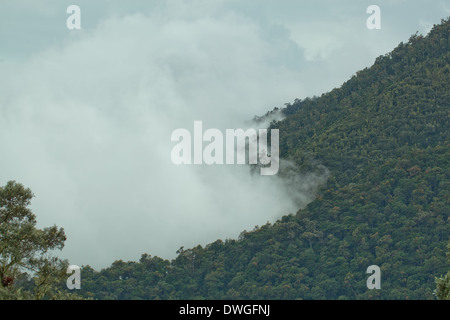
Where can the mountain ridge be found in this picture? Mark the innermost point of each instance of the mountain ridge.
(384, 136)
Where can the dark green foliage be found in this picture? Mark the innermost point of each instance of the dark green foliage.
(443, 283)
(384, 136)
(27, 270)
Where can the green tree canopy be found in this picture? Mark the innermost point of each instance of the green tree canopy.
(25, 249)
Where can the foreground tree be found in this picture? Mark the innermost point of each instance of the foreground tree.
(443, 283)
(25, 250)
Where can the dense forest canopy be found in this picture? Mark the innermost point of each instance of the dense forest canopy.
(384, 136)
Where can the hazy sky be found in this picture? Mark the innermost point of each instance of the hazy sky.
(86, 115)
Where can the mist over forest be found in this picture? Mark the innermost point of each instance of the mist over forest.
(87, 115)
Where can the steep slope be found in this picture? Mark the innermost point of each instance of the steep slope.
(384, 136)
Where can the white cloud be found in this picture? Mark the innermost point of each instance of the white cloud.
(86, 124)
(87, 127)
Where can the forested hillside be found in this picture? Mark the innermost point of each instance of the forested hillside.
(384, 136)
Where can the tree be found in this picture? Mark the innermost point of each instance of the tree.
(25, 248)
(443, 283)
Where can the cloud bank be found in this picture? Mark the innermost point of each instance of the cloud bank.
(86, 117)
(87, 127)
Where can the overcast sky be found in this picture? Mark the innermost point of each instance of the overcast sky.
(86, 115)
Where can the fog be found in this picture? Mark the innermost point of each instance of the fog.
(86, 124)
(87, 127)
